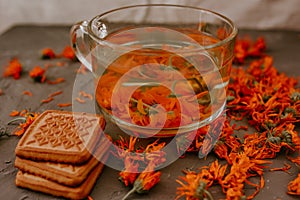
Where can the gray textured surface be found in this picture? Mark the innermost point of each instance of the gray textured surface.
(25, 42)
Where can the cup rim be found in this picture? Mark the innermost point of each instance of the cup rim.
(229, 38)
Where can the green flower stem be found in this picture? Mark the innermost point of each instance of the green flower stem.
(210, 197)
(23, 119)
(129, 193)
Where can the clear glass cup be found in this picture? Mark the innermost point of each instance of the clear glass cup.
(159, 70)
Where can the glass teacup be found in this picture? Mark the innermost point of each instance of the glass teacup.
(159, 70)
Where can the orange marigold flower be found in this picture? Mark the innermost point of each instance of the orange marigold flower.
(154, 153)
(129, 174)
(48, 53)
(69, 53)
(196, 188)
(245, 47)
(14, 69)
(27, 119)
(38, 74)
(195, 185)
(294, 186)
(145, 181)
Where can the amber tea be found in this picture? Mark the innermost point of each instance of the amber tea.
(164, 82)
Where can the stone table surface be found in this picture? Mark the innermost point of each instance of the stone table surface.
(26, 42)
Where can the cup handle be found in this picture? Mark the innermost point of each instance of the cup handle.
(77, 34)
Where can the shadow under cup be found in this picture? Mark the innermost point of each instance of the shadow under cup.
(159, 70)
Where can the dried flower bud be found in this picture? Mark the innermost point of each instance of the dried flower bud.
(48, 53)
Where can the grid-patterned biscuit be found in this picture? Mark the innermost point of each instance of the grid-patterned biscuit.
(61, 136)
(40, 184)
(66, 174)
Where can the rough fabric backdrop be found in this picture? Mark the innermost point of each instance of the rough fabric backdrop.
(254, 14)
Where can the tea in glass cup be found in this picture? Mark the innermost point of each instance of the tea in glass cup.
(155, 73)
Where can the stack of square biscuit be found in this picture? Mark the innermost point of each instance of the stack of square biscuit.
(59, 154)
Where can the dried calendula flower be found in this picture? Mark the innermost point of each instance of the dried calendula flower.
(69, 53)
(245, 47)
(194, 189)
(145, 181)
(48, 53)
(270, 102)
(131, 164)
(137, 158)
(294, 186)
(129, 174)
(38, 74)
(126, 146)
(26, 121)
(14, 69)
(195, 185)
